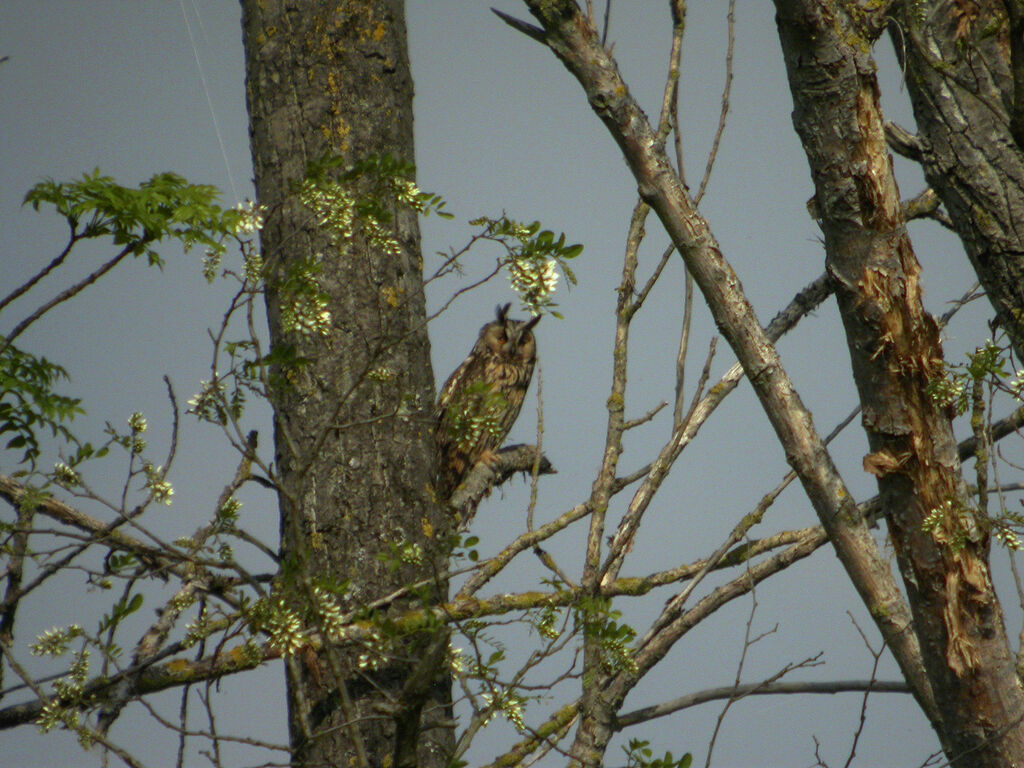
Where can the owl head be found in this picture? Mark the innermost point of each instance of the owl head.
(508, 338)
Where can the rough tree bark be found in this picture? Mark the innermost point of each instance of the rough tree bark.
(354, 453)
(964, 64)
(895, 351)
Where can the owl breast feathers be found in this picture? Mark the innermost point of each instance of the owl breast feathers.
(481, 399)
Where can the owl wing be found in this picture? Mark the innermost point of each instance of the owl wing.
(453, 459)
(456, 383)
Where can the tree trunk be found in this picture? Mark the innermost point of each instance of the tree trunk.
(940, 541)
(964, 65)
(353, 426)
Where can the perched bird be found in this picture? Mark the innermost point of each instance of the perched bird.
(481, 399)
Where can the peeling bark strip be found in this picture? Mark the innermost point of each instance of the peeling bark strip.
(332, 76)
(941, 546)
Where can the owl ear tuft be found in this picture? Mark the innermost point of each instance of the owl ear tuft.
(530, 323)
(502, 311)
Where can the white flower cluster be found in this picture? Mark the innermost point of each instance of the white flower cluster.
(250, 219)
(249, 222)
(617, 656)
(285, 629)
(509, 704)
(333, 206)
(58, 710)
(379, 236)
(335, 210)
(375, 651)
(197, 629)
(253, 265)
(1008, 537)
(534, 281)
(456, 660)
(1017, 384)
(54, 642)
(408, 193)
(157, 484)
(411, 553)
(547, 624)
(946, 390)
(65, 475)
(211, 262)
(227, 515)
(206, 404)
(332, 619)
(934, 519)
(306, 313)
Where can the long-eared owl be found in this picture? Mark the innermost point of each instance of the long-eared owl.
(481, 399)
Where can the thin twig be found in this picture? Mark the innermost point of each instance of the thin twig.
(57, 261)
(64, 295)
(684, 345)
(638, 716)
(726, 90)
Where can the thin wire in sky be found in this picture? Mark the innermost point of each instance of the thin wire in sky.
(209, 101)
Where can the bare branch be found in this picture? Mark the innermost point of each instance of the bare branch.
(903, 142)
(758, 689)
(726, 90)
(56, 262)
(532, 32)
(486, 476)
(684, 345)
(66, 294)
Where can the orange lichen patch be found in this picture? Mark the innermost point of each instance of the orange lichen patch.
(178, 666)
(240, 655)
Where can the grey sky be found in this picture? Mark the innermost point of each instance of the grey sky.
(500, 126)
